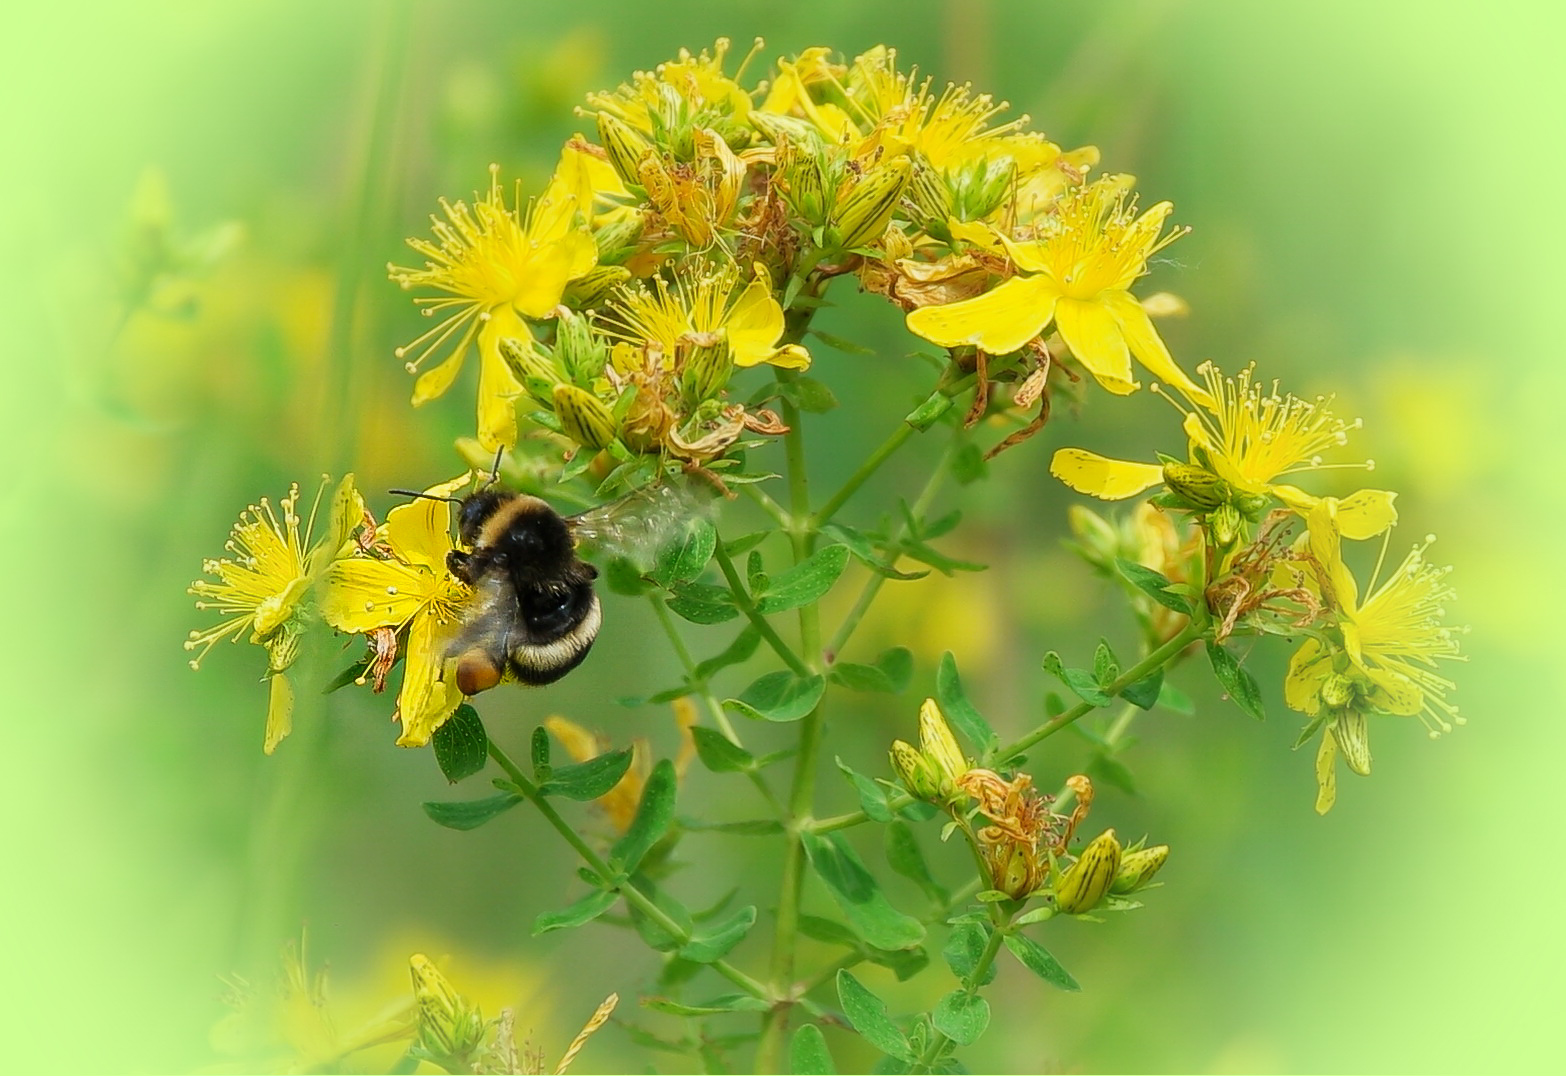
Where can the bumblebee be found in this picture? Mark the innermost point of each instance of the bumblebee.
(533, 615)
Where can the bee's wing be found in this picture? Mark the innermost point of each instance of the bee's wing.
(636, 525)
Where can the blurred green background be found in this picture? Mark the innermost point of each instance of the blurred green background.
(1371, 191)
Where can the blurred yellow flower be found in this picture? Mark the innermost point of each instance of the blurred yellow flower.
(1077, 276)
(491, 267)
(262, 588)
(415, 590)
(619, 804)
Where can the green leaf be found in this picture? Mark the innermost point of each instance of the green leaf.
(743, 646)
(470, 814)
(810, 395)
(1176, 701)
(872, 797)
(737, 547)
(808, 1054)
(904, 857)
(624, 577)
(750, 827)
(963, 948)
(702, 603)
(904, 963)
(756, 573)
(890, 673)
(942, 525)
(725, 1003)
(865, 552)
(1240, 685)
(939, 561)
(1038, 960)
(858, 894)
(806, 581)
(538, 751)
(779, 696)
(1111, 771)
(961, 1017)
(719, 753)
(1080, 681)
(652, 932)
(1144, 692)
(461, 747)
(583, 911)
(1153, 584)
(847, 347)
(715, 944)
(960, 713)
(588, 780)
(653, 816)
(684, 557)
(1105, 668)
(630, 475)
(868, 1015)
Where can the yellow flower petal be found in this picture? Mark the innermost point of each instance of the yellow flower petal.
(1366, 514)
(420, 532)
(279, 712)
(360, 594)
(551, 267)
(1308, 670)
(434, 383)
(1098, 476)
(498, 386)
(1030, 257)
(1327, 549)
(754, 323)
(1326, 774)
(788, 357)
(999, 321)
(1394, 693)
(1095, 339)
(579, 743)
(1148, 347)
(428, 696)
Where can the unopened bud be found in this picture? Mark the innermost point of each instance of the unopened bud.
(928, 192)
(1352, 731)
(1088, 881)
(450, 1027)
(708, 365)
(1199, 486)
(583, 417)
(282, 647)
(939, 745)
(1225, 521)
(1097, 540)
(580, 351)
(588, 291)
(624, 145)
(1337, 690)
(980, 187)
(1137, 867)
(864, 214)
(537, 372)
(807, 188)
(917, 773)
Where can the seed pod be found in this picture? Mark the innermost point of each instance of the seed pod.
(1089, 879)
(624, 145)
(1199, 486)
(1014, 869)
(583, 417)
(863, 215)
(1137, 868)
(1352, 731)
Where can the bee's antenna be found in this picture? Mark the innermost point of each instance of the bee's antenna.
(425, 496)
(494, 472)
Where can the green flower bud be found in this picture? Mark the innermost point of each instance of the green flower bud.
(863, 215)
(1352, 732)
(450, 1027)
(590, 290)
(979, 188)
(537, 372)
(578, 349)
(1225, 521)
(707, 367)
(616, 237)
(916, 772)
(940, 746)
(928, 191)
(1199, 486)
(1088, 881)
(583, 417)
(784, 129)
(1338, 690)
(1137, 867)
(623, 144)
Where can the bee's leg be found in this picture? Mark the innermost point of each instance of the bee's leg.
(460, 564)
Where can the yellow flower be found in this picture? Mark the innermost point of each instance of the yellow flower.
(689, 91)
(672, 321)
(261, 589)
(412, 590)
(1242, 438)
(490, 265)
(1076, 276)
(1385, 654)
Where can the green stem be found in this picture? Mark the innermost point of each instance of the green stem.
(876, 581)
(610, 879)
(778, 513)
(701, 687)
(746, 605)
(948, 386)
(970, 985)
